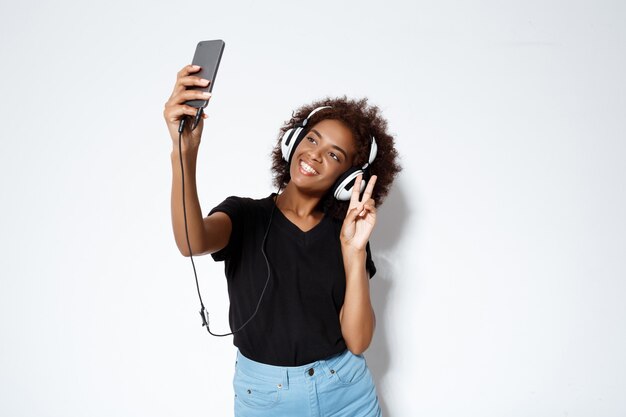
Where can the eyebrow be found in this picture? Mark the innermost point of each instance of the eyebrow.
(345, 155)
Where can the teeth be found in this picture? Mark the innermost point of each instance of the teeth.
(307, 168)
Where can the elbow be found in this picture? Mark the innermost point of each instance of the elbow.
(358, 338)
(197, 247)
(357, 347)
(184, 250)
(186, 254)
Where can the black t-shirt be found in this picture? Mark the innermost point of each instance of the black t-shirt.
(298, 319)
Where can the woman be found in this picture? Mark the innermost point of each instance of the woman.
(297, 262)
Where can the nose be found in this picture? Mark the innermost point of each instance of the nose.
(315, 155)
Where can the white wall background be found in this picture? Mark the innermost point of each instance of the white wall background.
(501, 279)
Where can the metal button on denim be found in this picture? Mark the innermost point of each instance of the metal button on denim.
(311, 371)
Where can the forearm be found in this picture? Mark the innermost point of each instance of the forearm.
(357, 315)
(195, 223)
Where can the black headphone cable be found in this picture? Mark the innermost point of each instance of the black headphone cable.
(203, 311)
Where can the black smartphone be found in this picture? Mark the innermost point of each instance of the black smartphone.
(208, 55)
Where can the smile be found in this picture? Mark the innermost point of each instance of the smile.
(307, 169)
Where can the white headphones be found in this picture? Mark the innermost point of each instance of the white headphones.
(342, 189)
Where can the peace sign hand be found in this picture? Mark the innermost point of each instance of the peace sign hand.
(361, 216)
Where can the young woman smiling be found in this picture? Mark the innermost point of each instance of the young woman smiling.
(297, 262)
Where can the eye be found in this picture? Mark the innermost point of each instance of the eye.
(310, 139)
(334, 156)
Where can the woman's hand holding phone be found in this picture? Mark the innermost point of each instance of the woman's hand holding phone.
(176, 109)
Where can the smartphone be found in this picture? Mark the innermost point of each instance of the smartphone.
(208, 55)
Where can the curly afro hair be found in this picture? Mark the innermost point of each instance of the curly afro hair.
(364, 121)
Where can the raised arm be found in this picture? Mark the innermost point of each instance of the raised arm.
(206, 235)
(357, 315)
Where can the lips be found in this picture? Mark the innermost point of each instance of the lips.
(307, 169)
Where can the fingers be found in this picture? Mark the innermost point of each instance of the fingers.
(370, 188)
(190, 95)
(361, 210)
(184, 79)
(356, 191)
(355, 198)
(187, 69)
(359, 222)
(184, 83)
(185, 73)
(173, 114)
(367, 208)
(351, 215)
(176, 107)
(188, 87)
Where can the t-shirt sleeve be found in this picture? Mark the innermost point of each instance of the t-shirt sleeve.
(233, 207)
(369, 263)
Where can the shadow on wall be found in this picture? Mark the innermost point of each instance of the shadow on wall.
(388, 234)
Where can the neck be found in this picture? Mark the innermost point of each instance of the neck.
(302, 205)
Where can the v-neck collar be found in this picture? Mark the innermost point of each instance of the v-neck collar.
(292, 229)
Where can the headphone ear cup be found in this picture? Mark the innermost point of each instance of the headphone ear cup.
(342, 190)
(289, 142)
(373, 151)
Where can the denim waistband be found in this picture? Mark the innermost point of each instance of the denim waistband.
(284, 375)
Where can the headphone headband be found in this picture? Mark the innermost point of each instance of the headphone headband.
(305, 121)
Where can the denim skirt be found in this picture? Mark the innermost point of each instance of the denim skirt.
(339, 386)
